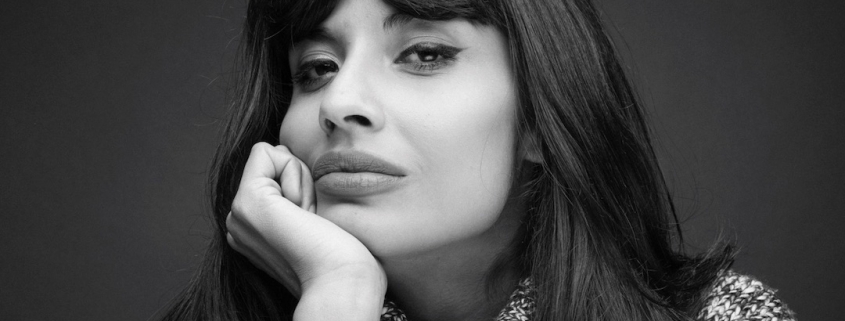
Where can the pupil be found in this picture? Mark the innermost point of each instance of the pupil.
(428, 56)
(323, 69)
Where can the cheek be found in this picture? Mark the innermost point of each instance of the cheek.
(476, 183)
(300, 130)
(476, 129)
(468, 149)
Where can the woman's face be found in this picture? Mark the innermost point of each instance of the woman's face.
(406, 124)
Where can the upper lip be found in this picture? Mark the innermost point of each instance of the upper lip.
(353, 162)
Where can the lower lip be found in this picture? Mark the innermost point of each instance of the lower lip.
(356, 184)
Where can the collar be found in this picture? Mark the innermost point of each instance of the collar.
(520, 307)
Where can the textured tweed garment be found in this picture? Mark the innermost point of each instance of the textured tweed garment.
(733, 297)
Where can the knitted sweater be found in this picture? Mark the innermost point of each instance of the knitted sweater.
(733, 297)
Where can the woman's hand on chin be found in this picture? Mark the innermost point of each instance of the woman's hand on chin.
(273, 224)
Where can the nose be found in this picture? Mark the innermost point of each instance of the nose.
(350, 103)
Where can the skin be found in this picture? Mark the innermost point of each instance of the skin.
(443, 112)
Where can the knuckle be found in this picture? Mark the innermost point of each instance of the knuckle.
(248, 210)
(283, 148)
(229, 221)
(230, 239)
(259, 146)
(238, 207)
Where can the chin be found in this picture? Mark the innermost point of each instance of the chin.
(378, 231)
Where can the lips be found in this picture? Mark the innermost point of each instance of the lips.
(353, 162)
(354, 173)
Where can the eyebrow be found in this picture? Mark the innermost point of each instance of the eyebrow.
(317, 34)
(396, 20)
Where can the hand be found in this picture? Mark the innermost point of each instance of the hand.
(273, 224)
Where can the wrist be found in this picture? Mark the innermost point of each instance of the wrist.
(350, 293)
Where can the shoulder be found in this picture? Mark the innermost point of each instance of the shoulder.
(740, 297)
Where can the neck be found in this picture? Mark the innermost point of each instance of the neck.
(454, 282)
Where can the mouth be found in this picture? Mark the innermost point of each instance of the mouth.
(354, 173)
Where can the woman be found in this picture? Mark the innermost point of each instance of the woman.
(435, 157)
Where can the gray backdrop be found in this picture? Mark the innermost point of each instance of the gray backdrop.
(110, 113)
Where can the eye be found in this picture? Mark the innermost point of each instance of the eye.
(428, 56)
(313, 74)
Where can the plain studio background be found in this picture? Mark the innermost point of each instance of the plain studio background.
(110, 114)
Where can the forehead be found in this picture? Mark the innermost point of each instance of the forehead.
(301, 19)
(348, 12)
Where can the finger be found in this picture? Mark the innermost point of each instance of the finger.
(283, 273)
(235, 230)
(232, 243)
(287, 277)
(237, 226)
(265, 161)
(250, 254)
(241, 237)
(309, 201)
(290, 182)
(247, 246)
(230, 222)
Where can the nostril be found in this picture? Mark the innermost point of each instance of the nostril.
(361, 120)
(329, 124)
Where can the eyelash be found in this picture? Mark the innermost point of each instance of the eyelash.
(301, 77)
(444, 55)
(447, 55)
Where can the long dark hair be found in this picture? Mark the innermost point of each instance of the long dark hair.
(601, 241)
